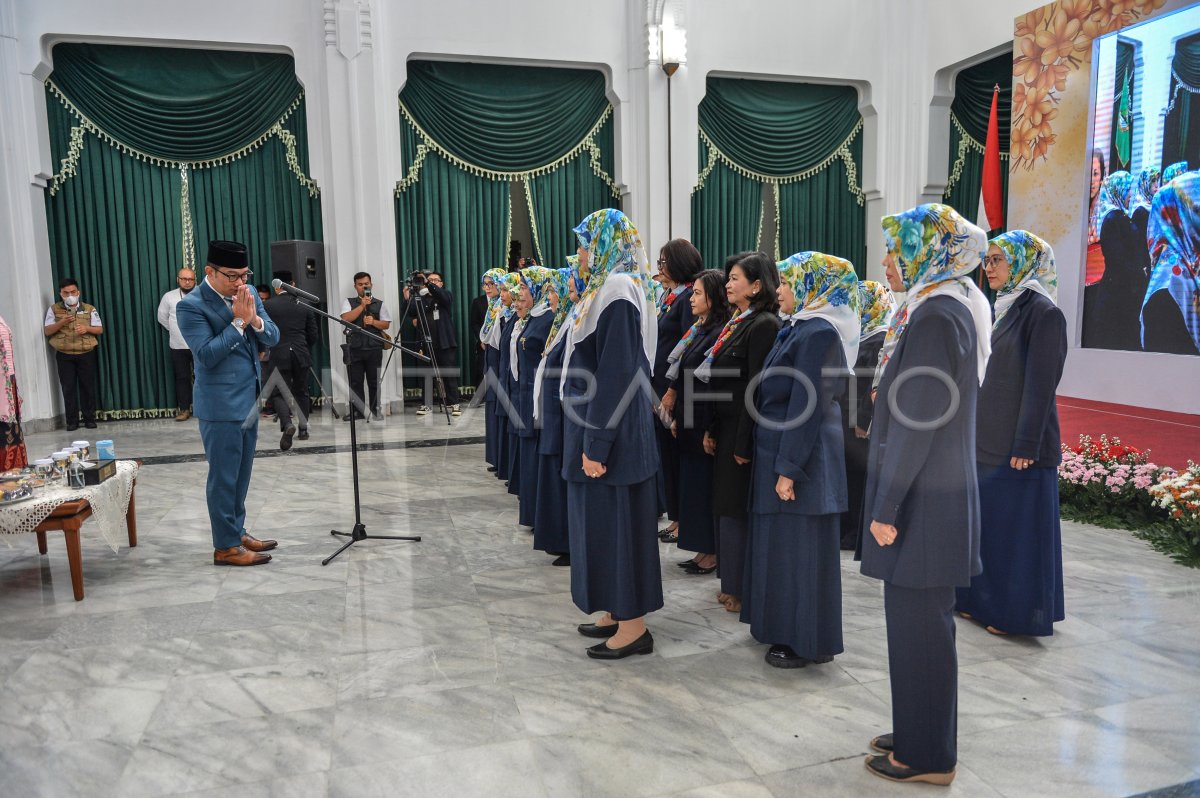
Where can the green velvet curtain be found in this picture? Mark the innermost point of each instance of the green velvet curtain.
(1181, 133)
(969, 114)
(123, 215)
(1124, 72)
(805, 142)
(467, 132)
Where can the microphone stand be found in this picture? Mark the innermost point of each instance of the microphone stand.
(360, 529)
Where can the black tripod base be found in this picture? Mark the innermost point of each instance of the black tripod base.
(360, 533)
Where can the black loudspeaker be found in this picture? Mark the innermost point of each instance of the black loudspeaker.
(306, 261)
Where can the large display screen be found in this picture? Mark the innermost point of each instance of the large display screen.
(1142, 276)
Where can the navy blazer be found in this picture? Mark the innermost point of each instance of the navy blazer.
(298, 333)
(550, 420)
(690, 436)
(1020, 417)
(924, 481)
(504, 380)
(226, 361)
(808, 452)
(674, 322)
(617, 430)
(529, 355)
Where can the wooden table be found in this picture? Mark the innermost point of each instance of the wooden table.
(67, 518)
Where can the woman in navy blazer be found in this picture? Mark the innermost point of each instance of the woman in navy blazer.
(530, 340)
(504, 400)
(609, 454)
(922, 490)
(1021, 588)
(734, 361)
(678, 264)
(489, 338)
(792, 597)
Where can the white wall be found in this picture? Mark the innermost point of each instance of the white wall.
(351, 56)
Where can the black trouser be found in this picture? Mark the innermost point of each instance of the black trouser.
(365, 363)
(296, 379)
(447, 366)
(923, 666)
(181, 362)
(78, 372)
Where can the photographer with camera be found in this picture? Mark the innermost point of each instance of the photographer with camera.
(363, 354)
(429, 290)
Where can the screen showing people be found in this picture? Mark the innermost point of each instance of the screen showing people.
(1142, 276)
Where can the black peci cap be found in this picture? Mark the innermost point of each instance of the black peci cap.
(227, 253)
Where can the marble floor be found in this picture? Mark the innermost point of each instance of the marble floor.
(451, 667)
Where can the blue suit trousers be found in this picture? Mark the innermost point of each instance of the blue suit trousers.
(229, 450)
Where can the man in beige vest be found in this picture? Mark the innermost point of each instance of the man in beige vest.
(72, 326)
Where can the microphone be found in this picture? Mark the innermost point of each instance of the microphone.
(299, 293)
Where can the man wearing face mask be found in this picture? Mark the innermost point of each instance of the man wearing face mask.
(181, 356)
(72, 326)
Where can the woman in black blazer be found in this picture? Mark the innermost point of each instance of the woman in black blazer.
(690, 419)
(1021, 588)
(678, 264)
(736, 358)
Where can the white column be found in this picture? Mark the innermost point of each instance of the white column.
(24, 248)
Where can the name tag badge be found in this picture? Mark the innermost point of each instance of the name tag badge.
(437, 313)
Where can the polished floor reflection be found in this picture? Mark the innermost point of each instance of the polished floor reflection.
(451, 667)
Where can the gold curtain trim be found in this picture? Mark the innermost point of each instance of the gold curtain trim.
(533, 227)
(966, 143)
(67, 168)
(427, 145)
(775, 196)
(185, 215)
(1180, 83)
(841, 152)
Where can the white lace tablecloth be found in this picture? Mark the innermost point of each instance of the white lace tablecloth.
(109, 501)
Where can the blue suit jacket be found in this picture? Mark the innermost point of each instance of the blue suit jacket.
(226, 362)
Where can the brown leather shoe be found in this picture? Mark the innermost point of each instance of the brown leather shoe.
(254, 544)
(183, 415)
(238, 555)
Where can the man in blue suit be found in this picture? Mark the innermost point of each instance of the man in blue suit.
(226, 328)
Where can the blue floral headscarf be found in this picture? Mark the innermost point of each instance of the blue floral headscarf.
(935, 249)
(1173, 171)
(510, 282)
(1030, 268)
(876, 307)
(1174, 237)
(562, 287)
(538, 279)
(1143, 192)
(494, 305)
(826, 286)
(1114, 196)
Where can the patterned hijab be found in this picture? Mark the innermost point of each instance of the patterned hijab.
(1143, 192)
(614, 249)
(876, 307)
(511, 282)
(562, 287)
(494, 305)
(540, 281)
(1174, 236)
(1173, 171)
(936, 249)
(1114, 196)
(826, 287)
(1030, 268)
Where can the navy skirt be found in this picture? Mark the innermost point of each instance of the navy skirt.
(513, 450)
(527, 478)
(614, 548)
(792, 590)
(550, 515)
(501, 447)
(668, 474)
(490, 423)
(1021, 588)
(697, 526)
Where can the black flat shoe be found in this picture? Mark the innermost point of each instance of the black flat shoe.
(593, 630)
(643, 645)
(492, 468)
(882, 767)
(561, 560)
(784, 657)
(883, 743)
(687, 564)
(692, 568)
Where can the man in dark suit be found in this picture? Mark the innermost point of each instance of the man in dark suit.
(290, 359)
(226, 326)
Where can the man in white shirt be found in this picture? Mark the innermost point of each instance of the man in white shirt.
(181, 356)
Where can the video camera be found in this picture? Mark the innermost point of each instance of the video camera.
(416, 278)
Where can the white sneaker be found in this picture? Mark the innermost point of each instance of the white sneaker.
(456, 410)
(423, 410)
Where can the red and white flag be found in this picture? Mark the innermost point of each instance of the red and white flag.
(991, 195)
